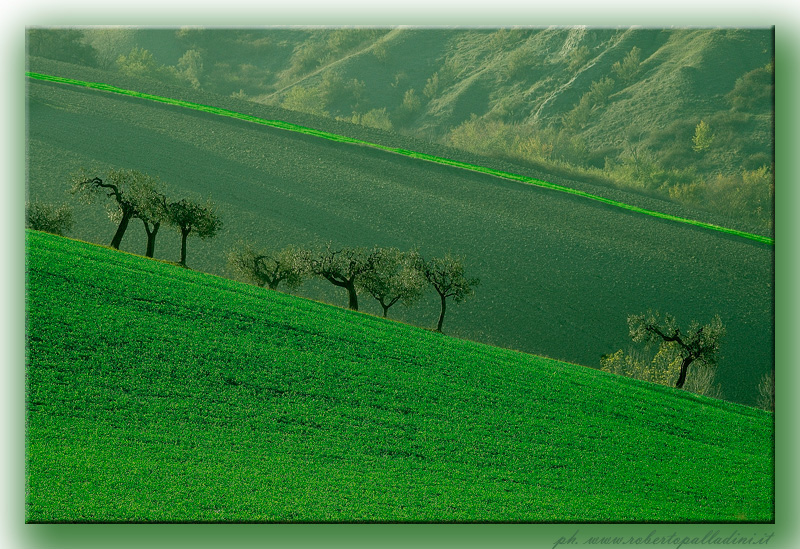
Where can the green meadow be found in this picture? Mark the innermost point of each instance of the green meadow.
(157, 394)
(412, 154)
(560, 273)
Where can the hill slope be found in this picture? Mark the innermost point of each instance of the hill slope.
(560, 274)
(161, 394)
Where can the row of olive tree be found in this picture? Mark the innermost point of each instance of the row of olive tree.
(389, 275)
(136, 195)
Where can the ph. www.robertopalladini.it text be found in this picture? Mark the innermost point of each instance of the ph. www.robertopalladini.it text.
(712, 537)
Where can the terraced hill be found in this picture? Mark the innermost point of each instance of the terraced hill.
(156, 393)
(560, 274)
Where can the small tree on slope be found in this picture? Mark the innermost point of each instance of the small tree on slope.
(395, 276)
(446, 275)
(698, 345)
(290, 265)
(343, 268)
(192, 218)
(135, 194)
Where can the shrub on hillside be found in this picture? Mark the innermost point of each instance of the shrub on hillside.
(766, 392)
(48, 218)
(376, 118)
(62, 45)
(755, 91)
(685, 358)
(663, 369)
(749, 193)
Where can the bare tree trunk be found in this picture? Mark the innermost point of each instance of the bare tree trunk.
(351, 291)
(184, 235)
(684, 369)
(151, 238)
(123, 225)
(441, 316)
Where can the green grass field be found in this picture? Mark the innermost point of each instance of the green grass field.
(412, 154)
(156, 393)
(559, 274)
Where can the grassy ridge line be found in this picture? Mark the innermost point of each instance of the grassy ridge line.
(412, 154)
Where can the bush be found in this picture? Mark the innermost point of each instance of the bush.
(376, 118)
(663, 369)
(48, 218)
(749, 193)
(308, 100)
(766, 392)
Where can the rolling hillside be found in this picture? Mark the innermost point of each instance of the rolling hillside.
(619, 106)
(560, 274)
(160, 394)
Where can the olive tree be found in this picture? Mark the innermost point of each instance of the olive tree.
(192, 218)
(291, 265)
(343, 267)
(697, 345)
(395, 276)
(133, 194)
(153, 210)
(446, 275)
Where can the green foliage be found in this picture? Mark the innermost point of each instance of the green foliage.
(192, 218)
(596, 97)
(264, 267)
(578, 117)
(135, 195)
(519, 62)
(749, 193)
(703, 137)
(411, 104)
(755, 91)
(577, 58)
(274, 408)
(698, 346)
(447, 276)
(61, 44)
(431, 89)
(344, 267)
(376, 118)
(48, 218)
(190, 67)
(627, 69)
(141, 63)
(600, 90)
(308, 100)
(766, 392)
(662, 368)
(394, 276)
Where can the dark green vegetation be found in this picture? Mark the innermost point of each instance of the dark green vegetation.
(559, 273)
(49, 218)
(181, 396)
(412, 154)
(617, 106)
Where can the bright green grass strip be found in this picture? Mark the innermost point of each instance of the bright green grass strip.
(412, 154)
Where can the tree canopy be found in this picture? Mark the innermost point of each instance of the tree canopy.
(446, 275)
(342, 267)
(134, 194)
(191, 217)
(394, 276)
(291, 265)
(698, 344)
